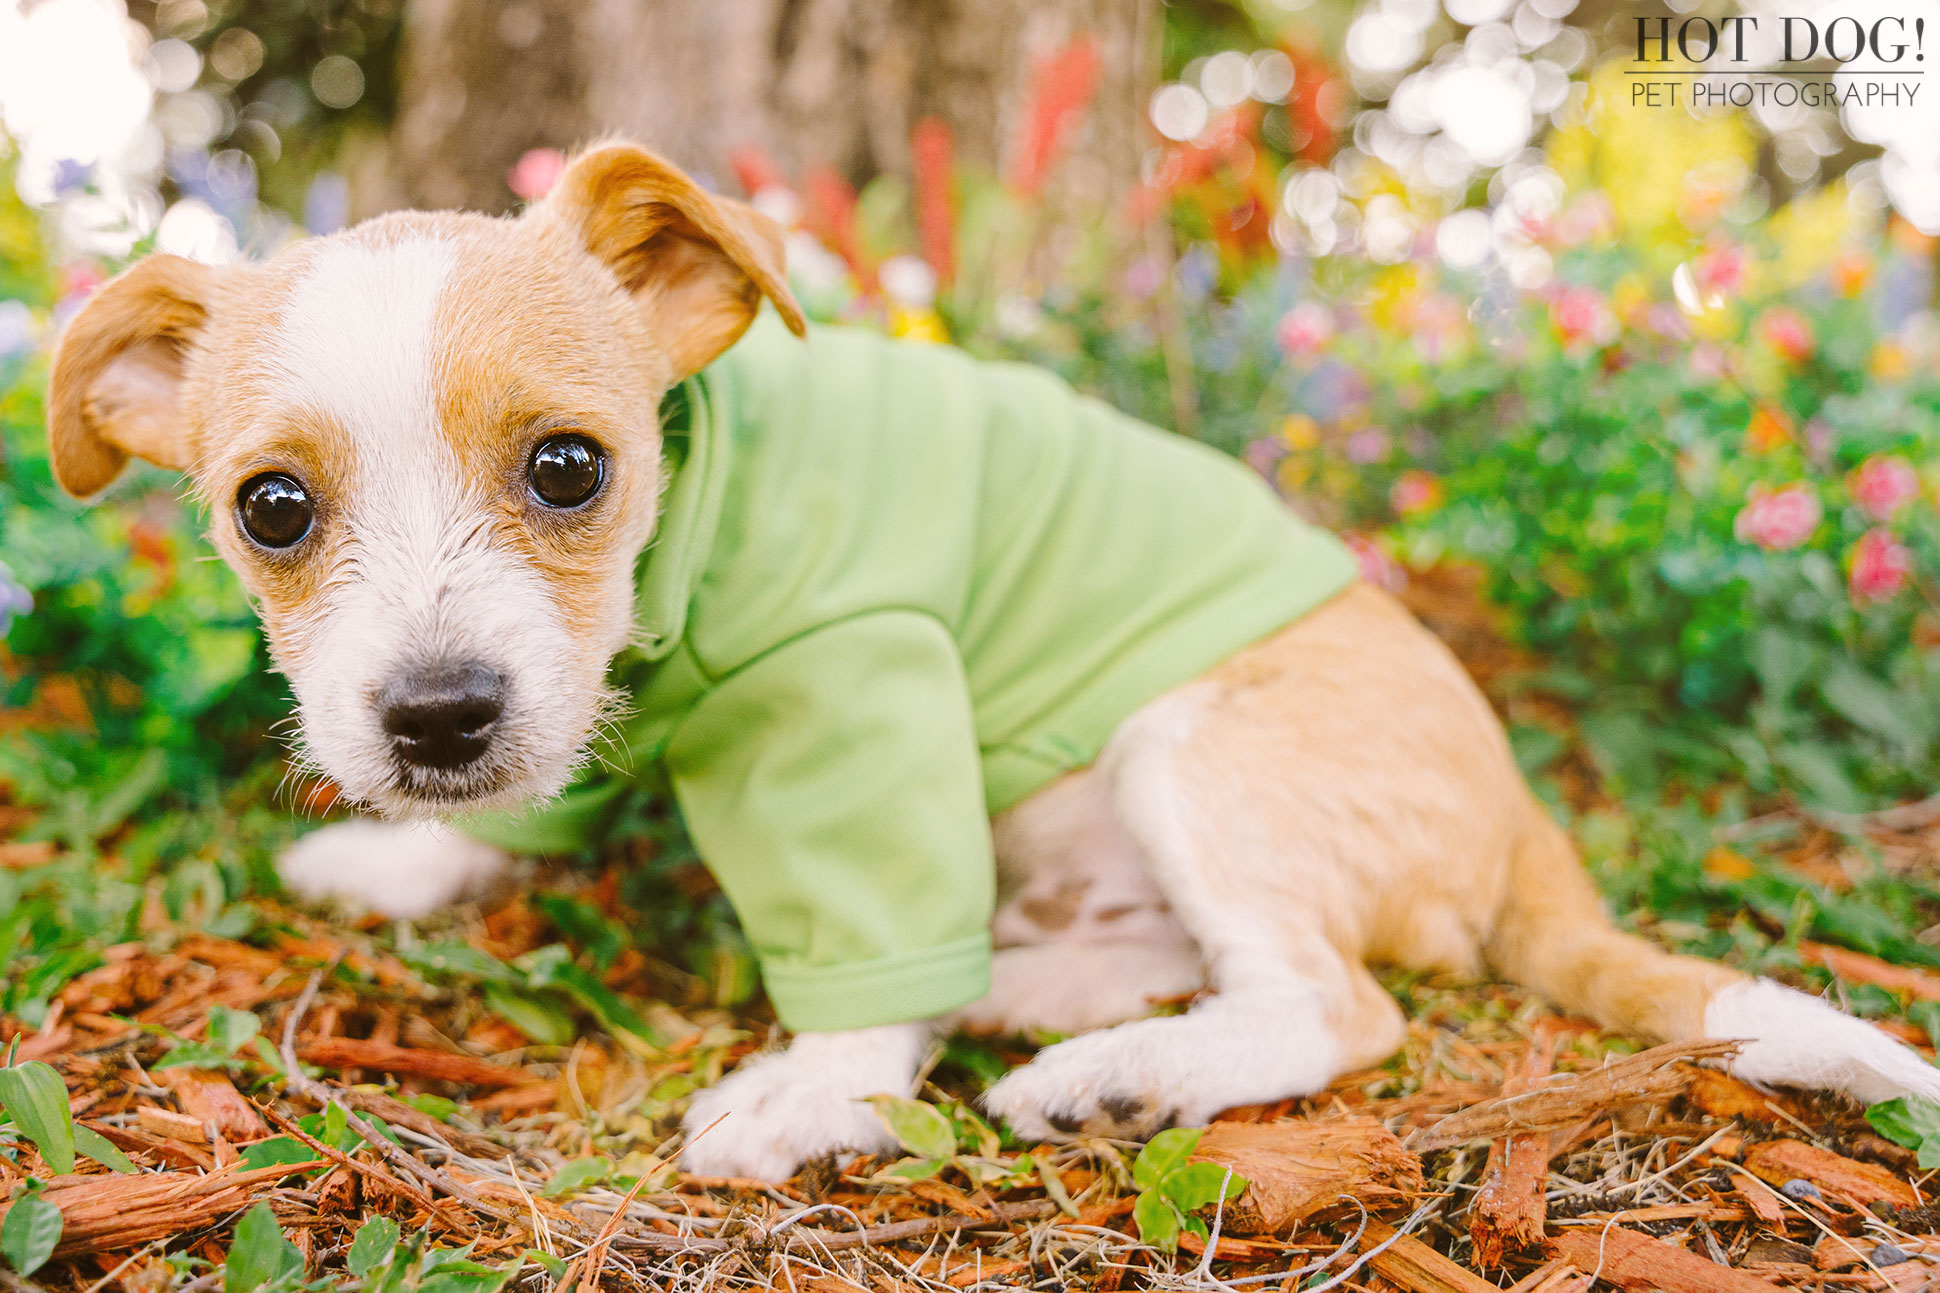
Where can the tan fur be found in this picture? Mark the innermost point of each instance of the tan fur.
(1355, 793)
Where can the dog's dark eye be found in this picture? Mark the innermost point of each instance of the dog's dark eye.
(566, 470)
(274, 509)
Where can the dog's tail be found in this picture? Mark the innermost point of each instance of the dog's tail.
(1553, 935)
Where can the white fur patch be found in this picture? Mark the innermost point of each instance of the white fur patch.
(418, 576)
(1798, 1040)
(400, 870)
(1133, 1080)
(780, 1110)
(355, 340)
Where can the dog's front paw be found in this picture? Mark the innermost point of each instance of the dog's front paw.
(786, 1108)
(1105, 1083)
(1138, 1078)
(396, 869)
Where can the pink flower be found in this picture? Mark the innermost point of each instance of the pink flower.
(1305, 328)
(1777, 519)
(1377, 567)
(1369, 444)
(1786, 331)
(1582, 318)
(1709, 361)
(534, 174)
(1722, 270)
(1881, 567)
(1882, 485)
(1414, 492)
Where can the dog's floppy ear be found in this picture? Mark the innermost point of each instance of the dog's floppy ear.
(698, 264)
(118, 374)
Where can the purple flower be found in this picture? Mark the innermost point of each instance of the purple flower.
(14, 599)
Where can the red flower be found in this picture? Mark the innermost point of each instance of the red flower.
(1061, 89)
(534, 174)
(1882, 485)
(1722, 270)
(930, 148)
(1377, 567)
(1881, 567)
(1786, 331)
(1414, 492)
(1777, 519)
(1582, 318)
(1305, 328)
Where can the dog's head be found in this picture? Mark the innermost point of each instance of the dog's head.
(429, 446)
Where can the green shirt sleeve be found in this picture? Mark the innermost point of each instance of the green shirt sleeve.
(833, 787)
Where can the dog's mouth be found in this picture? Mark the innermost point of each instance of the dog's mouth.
(448, 789)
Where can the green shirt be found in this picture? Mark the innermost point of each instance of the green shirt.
(896, 590)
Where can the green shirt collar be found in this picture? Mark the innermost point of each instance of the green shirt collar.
(694, 453)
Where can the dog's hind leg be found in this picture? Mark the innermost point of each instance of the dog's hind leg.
(1290, 1011)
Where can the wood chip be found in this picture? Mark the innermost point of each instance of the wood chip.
(1839, 1177)
(1506, 1218)
(1857, 967)
(172, 1125)
(1295, 1169)
(412, 1061)
(1633, 1261)
(1563, 1101)
(212, 1100)
(1418, 1268)
(1722, 1096)
(108, 1214)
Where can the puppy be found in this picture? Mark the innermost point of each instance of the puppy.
(508, 493)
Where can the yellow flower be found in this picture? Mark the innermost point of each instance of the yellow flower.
(1299, 432)
(1769, 430)
(917, 325)
(1889, 362)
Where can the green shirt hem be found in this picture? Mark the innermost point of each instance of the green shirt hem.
(889, 990)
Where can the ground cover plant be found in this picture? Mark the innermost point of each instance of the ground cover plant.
(1673, 504)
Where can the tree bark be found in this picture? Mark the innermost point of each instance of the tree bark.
(811, 83)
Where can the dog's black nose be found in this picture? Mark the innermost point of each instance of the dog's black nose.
(442, 716)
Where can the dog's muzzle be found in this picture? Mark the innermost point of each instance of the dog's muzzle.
(442, 715)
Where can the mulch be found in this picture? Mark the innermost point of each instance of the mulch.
(1506, 1147)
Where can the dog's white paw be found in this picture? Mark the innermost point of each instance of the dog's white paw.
(1797, 1040)
(396, 869)
(1139, 1078)
(786, 1108)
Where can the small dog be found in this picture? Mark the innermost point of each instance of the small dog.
(435, 450)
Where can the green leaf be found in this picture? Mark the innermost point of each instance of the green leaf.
(923, 1129)
(1198, 1185)
(1158, 1221)
(231, 1030)
(916, 1169)
(1871, 705)
(553, 1266)
(260, 1255)
(1165, 1151)
(30, 1232)
(1908, 1120)
(99, 1148)
(577, 1175)
(375, 1244)
(1821, 779)
(277, 1151)
(532, 1014)
(36, 1099)
(457, 959)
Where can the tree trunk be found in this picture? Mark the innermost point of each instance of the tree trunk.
(834, 83)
